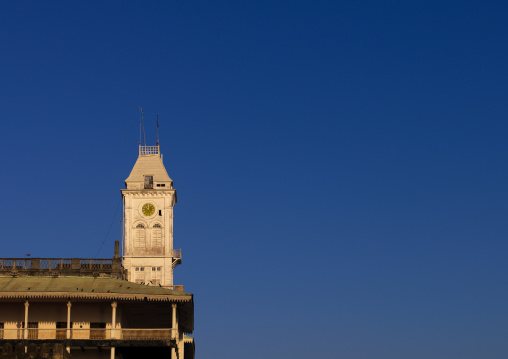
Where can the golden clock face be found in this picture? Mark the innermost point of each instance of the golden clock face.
(148, 209)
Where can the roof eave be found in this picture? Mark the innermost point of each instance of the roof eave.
(97, 296)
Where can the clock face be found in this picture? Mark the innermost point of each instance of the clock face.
(148, 209)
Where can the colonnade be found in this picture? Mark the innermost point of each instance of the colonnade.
(114, 305)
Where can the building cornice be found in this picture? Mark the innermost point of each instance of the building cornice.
(96, 296)
(144, 192)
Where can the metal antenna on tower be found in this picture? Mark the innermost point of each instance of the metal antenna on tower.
(142, 125)
(157, 129)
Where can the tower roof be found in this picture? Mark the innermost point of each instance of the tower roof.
(149, 163)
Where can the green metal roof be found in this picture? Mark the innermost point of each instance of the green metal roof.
(81, 285)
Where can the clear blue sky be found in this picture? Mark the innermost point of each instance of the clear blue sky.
(340, 166)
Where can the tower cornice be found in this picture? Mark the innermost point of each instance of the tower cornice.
(148, 193)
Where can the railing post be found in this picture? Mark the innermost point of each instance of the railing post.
(35, 263)
(76, 264)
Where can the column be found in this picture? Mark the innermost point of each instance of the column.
(113, 319)
(69, 305)
(174, 330)
(179, 338)
(113, 326)
(25, 332)
(68, 336)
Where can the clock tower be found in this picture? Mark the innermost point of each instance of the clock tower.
(148, 200)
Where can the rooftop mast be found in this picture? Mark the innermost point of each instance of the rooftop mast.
(157, 129)
(142, 125)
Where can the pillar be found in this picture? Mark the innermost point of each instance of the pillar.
(25, 332)
(179, 339)
(113, 326)
(174, 329)
(69, 305)
(113, 319)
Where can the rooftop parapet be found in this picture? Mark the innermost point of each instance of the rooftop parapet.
(62, 266)
(94, 267)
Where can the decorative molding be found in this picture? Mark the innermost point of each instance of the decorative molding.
(96, 296)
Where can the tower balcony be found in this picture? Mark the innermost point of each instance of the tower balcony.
(149, 150)
(177, 257)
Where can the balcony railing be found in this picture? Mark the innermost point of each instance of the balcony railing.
(55, 263)
(177, 253)
(89, 334)
(148, 150)
(62, 266)
(97, 264)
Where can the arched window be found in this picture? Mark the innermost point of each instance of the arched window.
(139, 235)
(157, 235)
